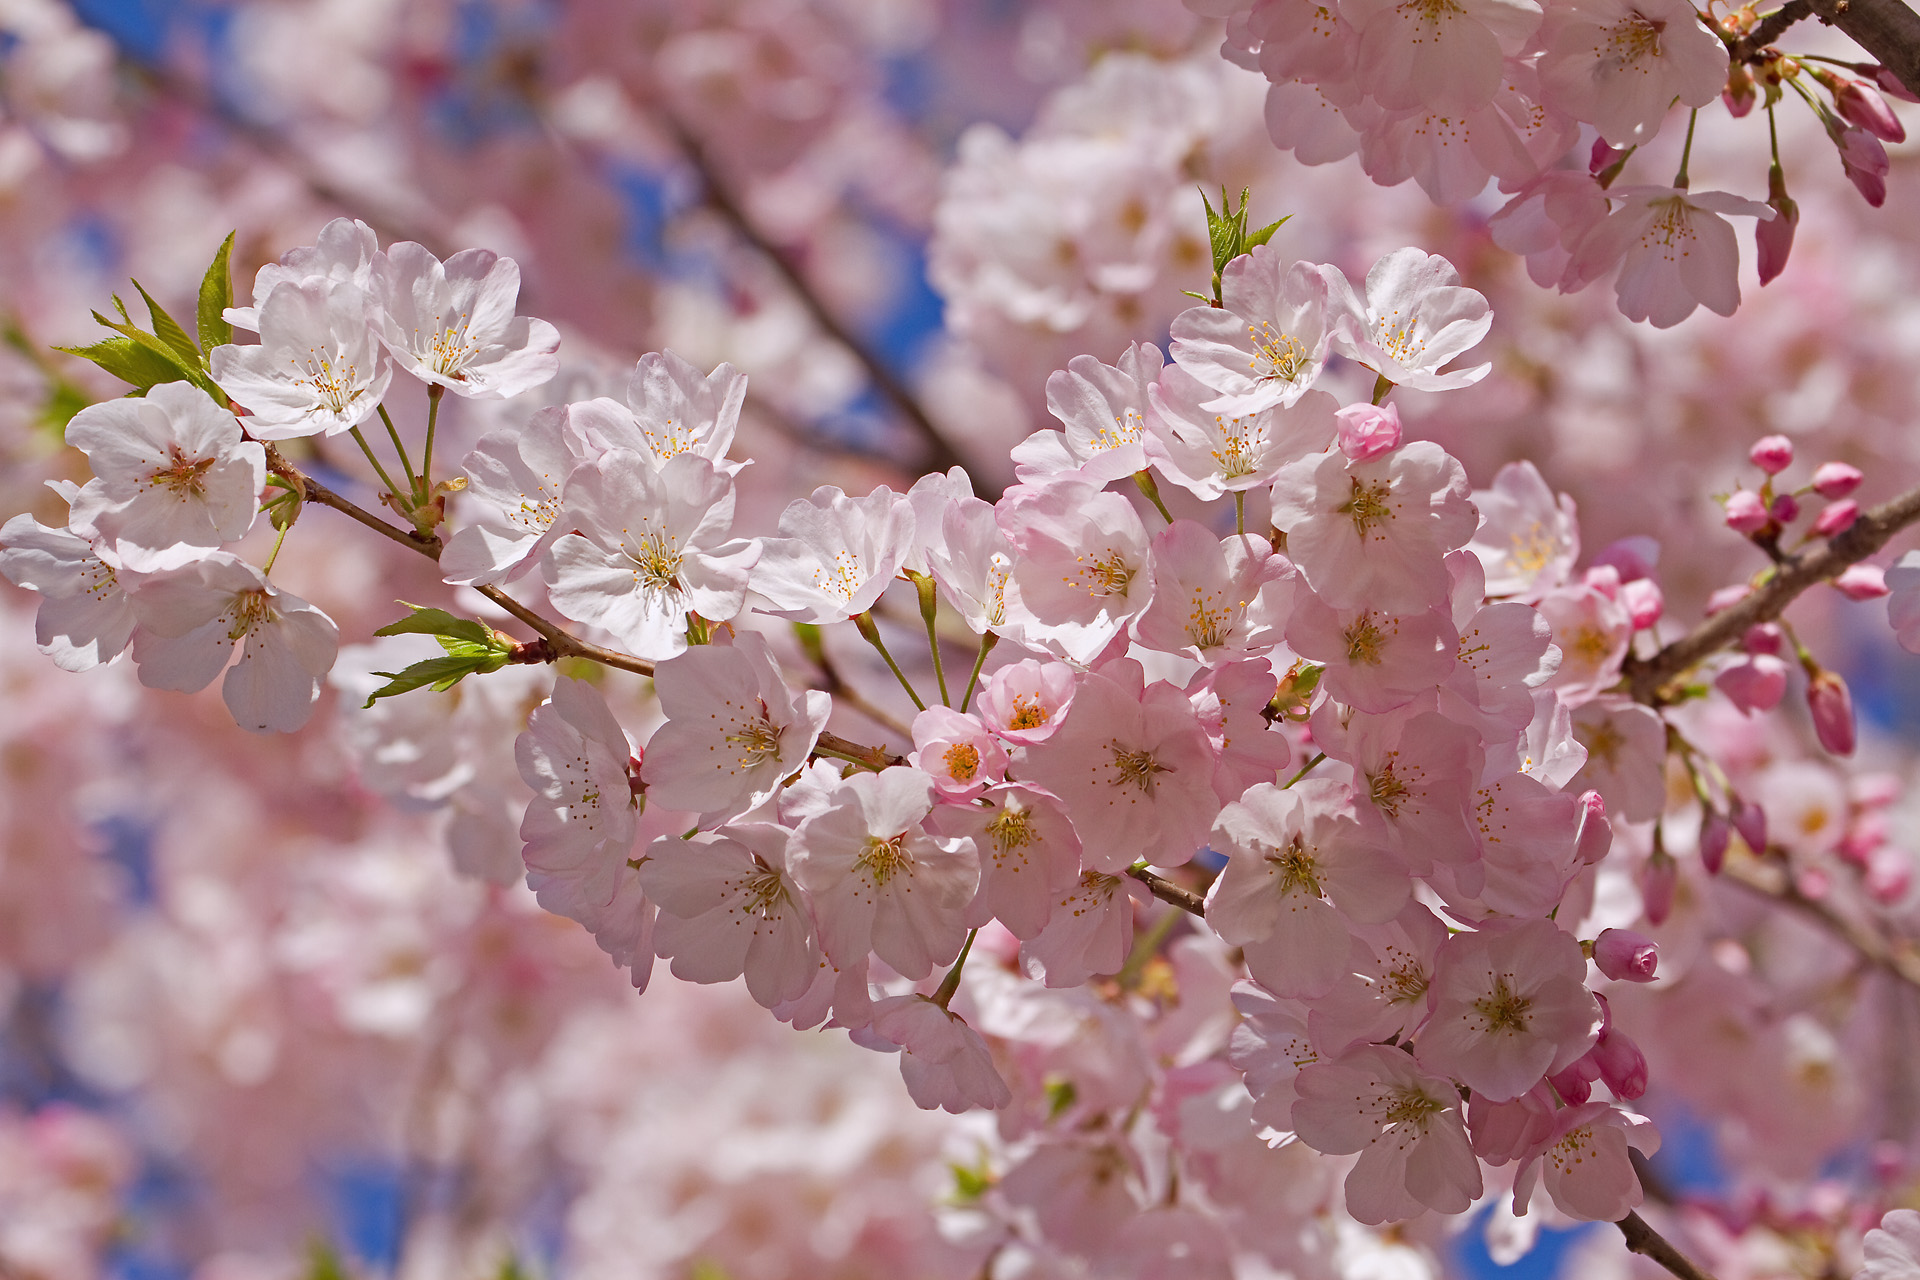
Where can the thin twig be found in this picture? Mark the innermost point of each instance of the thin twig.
(1169, 892)
(1752, 46)
(939, 454)
(1648, 1243)
(847, 749)
(1650, 680)
(1896, 956)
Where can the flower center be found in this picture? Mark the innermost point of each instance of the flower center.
(251, 609)
(187, 477)
(1010, 830)
(962, 761)
(1631, 40)
(1367, 506)
(1386, 790)
(1364, 641)
(883, 859)
(1106, 575)
(1294, 866)
(1503, 1010)
(450, 348)
(843, 578)
(1134, 768)
(1209, 625)
(758, 739)
(334, 386)
(1277, 357)
(1411, 1106)
(656, 562)
(1027, 713)
(1234, 456)
(1126, 429)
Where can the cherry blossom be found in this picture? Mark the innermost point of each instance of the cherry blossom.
(518, 477)
(1620, 64)
(192, 617)
(1029, 855)
(671, 409)
(1082, 571)
(1509, 1006)
(342, 253)
(1676, 251)
(317, 369)
(1267, 342)
(1528, 540)
(1214, 599)
(1024, 702)
(957, 752)
(85, 618)
(1208, 452)
(727, 907)
(1585, 1167)
(172, 473)
(1416, 316)
(1103, 410)
(451, 324)
(944, 1061)
(835, 554)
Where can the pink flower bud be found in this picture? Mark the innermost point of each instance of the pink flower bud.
(1862, 582)
(1757, 684)
(1889, 876)
(1865, 161)
(1867, 833)
(1891, 85)
(1715, 835)
(1835, 480)
(1626, 956)
(1644, 602)
(1772, 454)
(1750, 820)
(1726, 597)
(1785, 509)
(1837, 517)
(1861, 104)
(1832, 708)
(1739, 94)
(1603, 157)
(1573, 1087)
(1657, 881)
(1632, 558)
(1813, 883)
(1763, 637)
(1875, 790)
(1594, 836)
(1623, 1068)
(1745, 512)
(1603, 578)
(1773, 237)
(1367, 430)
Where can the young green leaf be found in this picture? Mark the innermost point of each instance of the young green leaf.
(439, 674)
(216, 295)
(168, 330)
(130, 361)
(447, 628)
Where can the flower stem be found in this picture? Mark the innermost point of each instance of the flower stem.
(951, 983)
(1145, 480)
(1306, 769)
(379, 470)
(406, 463)
(929, 610)
(1381, 388)
(434, 392)
(1240, 511)
(871, 634)
(1686, 152)
(987, 642)
(275, 553)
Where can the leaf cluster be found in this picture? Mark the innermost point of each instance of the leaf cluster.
(473, 648)
(1229, 236)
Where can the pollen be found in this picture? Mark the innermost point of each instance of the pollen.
(884, 859)
(1364, 641)
(1294, 865)
(1411, 1106)
(842, 578)
(1010, 831)
(331, 383)
(1386, 790)
(1277, 357)
(1107, 575)
(1027, 713)
(1134, 768)
(187, 477)
(1503, 1011)
(251, 611)
(758, 739)
(656, 564)
(1368, 506)
(962, 760)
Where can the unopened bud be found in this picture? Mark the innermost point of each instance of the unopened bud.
(1750, 820)
(1746, 513)
(1658, 880)
(1891, 85)
(1785, 509)
(1739, 95)
(1864, 159)
(1861, 104)
(1889, 876)
(1715, 835)
(1832, 709)
(1862, 582)
(1604, 157)
(1367, 431)
(1757, 684)
(1572, 1085)
(1644, 600)
(1594, 836)
(1623, 1068)
(1626, 956)
(1838, 517)
(1772, 454)
(1763, 637)
(1835, 480)
(1773, 237)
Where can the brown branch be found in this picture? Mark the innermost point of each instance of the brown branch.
(1167, 891)
(875, 758)
(1648, 1243)
(939, 454)
(1650, 680)
(1887, 29)
(1751, 46)
(1897, 957)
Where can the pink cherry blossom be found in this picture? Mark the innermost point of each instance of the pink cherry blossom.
(1528, 540)
(1366, 431)
(728, 906)
(1089, 932)
(945, 1062)
(1214, 599)
(452, 324)
(1382, 993)
(957, 752)
(85, 618)
(1448, 59)
(1416, 316)
(1267, 342)
(1029, 855)
(1585, 1167)
(1676, 251)
(343, 252)
(1619, 64)
(518, 479)
(318, 368)
(1103, 410)
(671, 409)
(835, 554)
(1375, 662)
(1024, 702)
(1211, 452)
(1082, 569)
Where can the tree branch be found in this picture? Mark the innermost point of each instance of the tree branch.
(1167, 891)
(1887, 29)
(1650, 680)
(1750, 46)
(1648, 1243)
(939, 454)
(1897, 956)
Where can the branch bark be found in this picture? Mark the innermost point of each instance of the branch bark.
(939, 454)
(1769, 29)
(1887, 29)
(1650, 680)
(1167, 891)
(1648, 1243)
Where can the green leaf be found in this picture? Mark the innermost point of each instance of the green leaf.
(185, 370)
(168, 330)
(130, 361)
(1255, 239)
(216, 295)
(439, 674)
(447, 628)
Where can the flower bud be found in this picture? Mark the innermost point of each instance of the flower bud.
(1835, 480)
(1623, 1068)
(1715, 835)
(1772, 454)
(1594, 836)
(1573, 1087)
(1763, 637)
(1757, 684)
(1726, 597)
(1838, 517)
(1865, 161)
(1644, 601)
(1861, 104)
(1739, 94)
(1891, 85)
(1626, 956)
(1657, 882)
(1750, 820)
(1773, 237)
(1865, 834)
(1745, 512)
(1604, 157)
(1889, 876)
(1367, 430)
(1832, 708)
(1785, 508)
(1862, 582)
